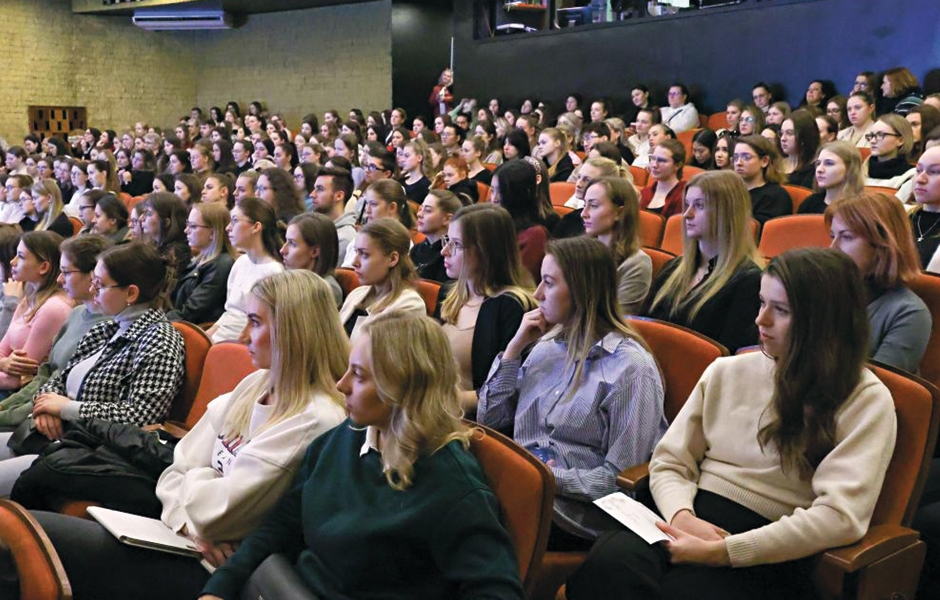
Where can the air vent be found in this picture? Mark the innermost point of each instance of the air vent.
(183, 20)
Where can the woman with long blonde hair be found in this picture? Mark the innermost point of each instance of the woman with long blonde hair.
(238, 459)
(394, 486)
(202, 287)
(47, 199)
(483, 309)
(588, 399)
(713, 287)
(838, 173)
(386, 273)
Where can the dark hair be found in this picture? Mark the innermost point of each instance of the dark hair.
(341, 180)
(83, 250)
(9, 239)
(388, 158)
(929, 120)
(172, 213)
(61, 148)
(113, 208)
(192, 183)
(608, 150)
(827, 350)
(520, 141)
(141, 265)
(707, 138)
(259, 211)
(309, 171)
(318, 230)
(17, 151)
(226, 161)
(807, 136)
(677, 149)
(598, 128)
(287, 201)
(518, 192)
(183, 157)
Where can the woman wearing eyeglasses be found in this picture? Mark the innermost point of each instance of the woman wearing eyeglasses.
(127, 369)
(664, 194)
(200, 290)
(891, 139)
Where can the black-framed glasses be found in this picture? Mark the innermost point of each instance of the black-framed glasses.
(98, 286)
(879, 135)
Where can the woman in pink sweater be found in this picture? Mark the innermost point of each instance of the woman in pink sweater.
(776, 456)
(40, 313)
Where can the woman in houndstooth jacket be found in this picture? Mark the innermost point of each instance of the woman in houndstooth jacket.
(127, 369)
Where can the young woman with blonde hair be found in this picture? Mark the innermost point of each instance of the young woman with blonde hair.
(416, 169)
(891, 139)
(239, 458)
(47, 199)
(483, 309)
(874, 230)
(588, 399)
(553, 149)
(838, 174)
(611, 214)
(471, 151)
(386, 274)
(713, 287)
(201, 288)
(776, 456)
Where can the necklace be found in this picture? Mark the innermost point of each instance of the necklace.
(922, 234)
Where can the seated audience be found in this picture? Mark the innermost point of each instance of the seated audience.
(680, 114)
(276, 188)
(838, 174)
(873, 229)
(553, 149)
(471, 151)
(199, 296)
(239, 458)
(925, 217)
(861, 110)
(415, 166)
(713, 287)
(47, 210)
(386, 274)
(515, 188)
(454, 177)
(253, 230)
(703, 149)
(433, 219)
(588, 399)
(923, 119)
(310, 244)
(799, 141)
(109, 216)
(750, 486)
(163, 222)
(891, 139)
(611, 214)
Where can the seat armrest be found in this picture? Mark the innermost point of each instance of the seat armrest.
(173, 429)
(880, 541)
(635, 478)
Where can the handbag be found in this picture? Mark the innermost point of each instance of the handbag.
(26, 439)
(276, 579)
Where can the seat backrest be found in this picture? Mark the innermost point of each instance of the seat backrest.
(640, 176)
(197, 345)
(927, 287)
(797, 194)
(682, 354)
(562, 210)
(651, 227)
(483, 192)
(347, 279)
(429, 291)
(879, 189)
(672, 235)
(41, 574)
(685, 138)
(77, 225)
(793, 231)
(227, 363)
(718, 121)
(560, 192)
(864, 153)
(490, 166)
(917, 406)
(688, 171)
(525, 490)
(659, 258)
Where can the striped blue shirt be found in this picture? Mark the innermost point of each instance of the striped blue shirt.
(612, 421)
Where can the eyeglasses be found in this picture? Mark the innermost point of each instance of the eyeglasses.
(749, 119)
(743, 156)
(235, 221)
(260, 189)
(192, 225)
(659, 160)
(373, 168)
(449, 242)
(879, 135)
(97, 286)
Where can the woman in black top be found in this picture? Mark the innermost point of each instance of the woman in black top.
(799, 140)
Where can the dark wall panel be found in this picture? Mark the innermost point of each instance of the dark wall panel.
(421, 33)
(719, 53)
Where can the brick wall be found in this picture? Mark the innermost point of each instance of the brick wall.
(117, 71)
(301, 61)
(295, 62)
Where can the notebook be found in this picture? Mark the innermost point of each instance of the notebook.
(143, 532)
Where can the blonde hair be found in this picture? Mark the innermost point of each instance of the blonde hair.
(902, 127)
(420, 148)
(854, 182)
(309, 348)
(491, 263)
(391, 236)
(625, 240)
(48, 187)
(418, 380)
(729, 223)
(217, 218)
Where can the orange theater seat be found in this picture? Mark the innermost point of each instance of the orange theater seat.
(560, 192)
(640, 176)
(429, 291)
(659, 258)
(672, 235)
(651, 228)
(793, 231)
(347, 279)
(797, 194)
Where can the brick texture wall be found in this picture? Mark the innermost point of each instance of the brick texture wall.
(295, 62)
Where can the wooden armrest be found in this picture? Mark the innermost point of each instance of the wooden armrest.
(152, 427)
(635, 478)
(171, 428)
(879, 542)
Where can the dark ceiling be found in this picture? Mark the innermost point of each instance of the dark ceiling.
(243, 7)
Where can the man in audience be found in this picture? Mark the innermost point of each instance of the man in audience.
(594, 132)
(218, 188)
(245, 185)
(451, 137)
(10, 211)
(333, 186)
(762, 96)
(681, 114)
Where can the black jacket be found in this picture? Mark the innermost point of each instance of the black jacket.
(201, 291)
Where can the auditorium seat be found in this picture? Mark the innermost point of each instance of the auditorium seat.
(347, 279)
(797, 194)
(927, 287)
(672, 235)
(640, 176)
(718, 120)
(560, 192)
(429, 290)
(651, 228)
(659, 257)
(793, 231)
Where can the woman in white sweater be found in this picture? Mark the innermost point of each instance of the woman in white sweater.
(776, 456)
(254, 231)
(386, 273)
(238, 459)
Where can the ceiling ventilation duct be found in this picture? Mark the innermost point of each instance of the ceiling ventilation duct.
(183, 20)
